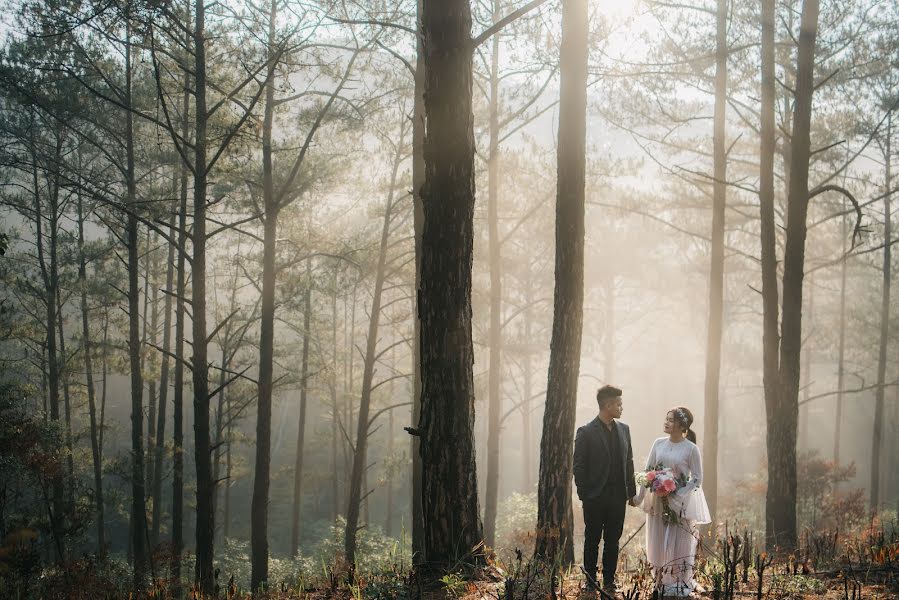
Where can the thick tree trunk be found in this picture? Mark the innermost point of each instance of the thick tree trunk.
(780, 506)
(261, 474)
(451, 524)
(716, 271)
(877, 434)
(554, 512)
(301, 424)
(368, 371)
(495, 341)
(205, 526)
(91, 393)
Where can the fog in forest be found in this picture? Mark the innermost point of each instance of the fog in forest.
(308, 200)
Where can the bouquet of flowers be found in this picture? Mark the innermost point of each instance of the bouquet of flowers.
(661, 481)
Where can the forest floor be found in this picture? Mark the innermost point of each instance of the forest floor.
(881, 584)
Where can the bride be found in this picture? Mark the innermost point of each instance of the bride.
(671, 522)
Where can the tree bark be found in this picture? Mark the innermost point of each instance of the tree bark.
(877, 434)
(554, 511)
(451, 524)
(205, 526)
(780, 502)
(301, 424)
(716, 271)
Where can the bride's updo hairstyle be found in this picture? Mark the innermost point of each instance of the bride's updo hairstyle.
(684, 418)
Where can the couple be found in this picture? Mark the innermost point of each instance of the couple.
(604, 476)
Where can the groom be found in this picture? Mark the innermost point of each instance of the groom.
(604, 476)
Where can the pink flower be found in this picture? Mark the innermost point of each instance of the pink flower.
(650, 477)
(669, 485)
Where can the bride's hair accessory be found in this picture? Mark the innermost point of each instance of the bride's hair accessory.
(683, 416)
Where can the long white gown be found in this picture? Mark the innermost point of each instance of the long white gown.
(671, 547)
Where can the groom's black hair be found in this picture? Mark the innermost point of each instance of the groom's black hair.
(606, 393)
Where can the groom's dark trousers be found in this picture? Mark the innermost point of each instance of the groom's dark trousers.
(604, 476)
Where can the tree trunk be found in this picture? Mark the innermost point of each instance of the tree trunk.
(494, 372)
(91, 395)
(362, 428)
(218, 439)
(301, 425)
(67, 408)
(418, 180)
(261, 475)
(554, 523)
(877, 434)
(104, 358)
(159, 454)
(226, 508)
(802, 437)
(780, 505)
(138, 489)
(527, 448)
(770, 303)
(335, 408)
(388, 517)
(841, 346)
(178, 395)
(154, 328)
(49, 274)
(451, 523)
(205, 526)
(716, 271)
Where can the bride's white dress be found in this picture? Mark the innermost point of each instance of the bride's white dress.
(671, 547)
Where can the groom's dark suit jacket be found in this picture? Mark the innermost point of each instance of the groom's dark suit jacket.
(593, 462)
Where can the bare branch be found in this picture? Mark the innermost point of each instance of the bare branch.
(499, 25)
